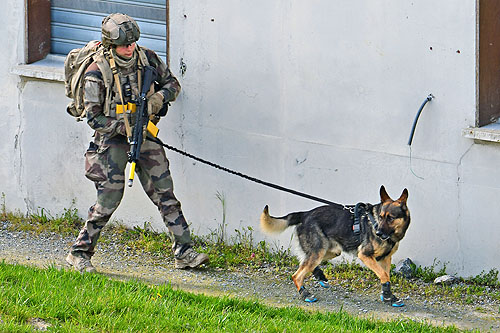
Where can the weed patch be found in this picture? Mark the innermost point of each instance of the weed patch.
(41, 220)
(429, 274)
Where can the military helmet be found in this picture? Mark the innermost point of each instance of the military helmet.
(119, 29)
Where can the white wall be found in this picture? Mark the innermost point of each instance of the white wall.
(318, 96)
(11, 39)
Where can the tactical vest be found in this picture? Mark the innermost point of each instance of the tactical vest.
(127, 76)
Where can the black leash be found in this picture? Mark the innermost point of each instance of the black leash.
(255, 180)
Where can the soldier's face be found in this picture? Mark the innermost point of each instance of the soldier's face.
(125, 51)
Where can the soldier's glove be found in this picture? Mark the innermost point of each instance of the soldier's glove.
(155, 103)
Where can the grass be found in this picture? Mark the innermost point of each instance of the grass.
(71, 302)
(429, 274)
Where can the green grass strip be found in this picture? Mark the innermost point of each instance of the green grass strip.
(71, 302)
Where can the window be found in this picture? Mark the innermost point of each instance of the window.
(489, 62)
(57, 26)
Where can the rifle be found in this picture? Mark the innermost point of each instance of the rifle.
(141, 121)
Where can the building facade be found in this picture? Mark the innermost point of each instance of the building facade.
(316, 96)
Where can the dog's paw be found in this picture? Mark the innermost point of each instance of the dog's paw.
(307, 296)
(393, 301)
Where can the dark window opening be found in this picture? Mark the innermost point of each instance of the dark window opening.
(489, 62)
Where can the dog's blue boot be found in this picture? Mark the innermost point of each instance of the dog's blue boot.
(320, 276)
(387, 297)
(307, 296)
(324, 284)
(393, 301)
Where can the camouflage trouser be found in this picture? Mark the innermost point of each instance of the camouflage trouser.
(105, 163)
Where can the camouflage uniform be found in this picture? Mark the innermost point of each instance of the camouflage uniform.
(106, 158)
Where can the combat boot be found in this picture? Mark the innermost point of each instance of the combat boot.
(81, 264)
(189, 258)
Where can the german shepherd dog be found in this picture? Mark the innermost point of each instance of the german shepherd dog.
(372, 232)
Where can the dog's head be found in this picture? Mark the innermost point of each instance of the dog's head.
(393, 216)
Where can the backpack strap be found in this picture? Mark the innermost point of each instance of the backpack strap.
(116, 75)
(107, 77)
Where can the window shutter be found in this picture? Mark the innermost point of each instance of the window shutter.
(37, 30)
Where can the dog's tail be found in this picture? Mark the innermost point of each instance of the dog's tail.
(270, 224)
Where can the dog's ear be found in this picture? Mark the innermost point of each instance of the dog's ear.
(383, 195)
(403, 197)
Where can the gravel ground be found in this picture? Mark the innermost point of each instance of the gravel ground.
(263, 285)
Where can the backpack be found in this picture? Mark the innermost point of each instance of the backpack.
(76, 63)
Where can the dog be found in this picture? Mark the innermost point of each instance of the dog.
(371, 232)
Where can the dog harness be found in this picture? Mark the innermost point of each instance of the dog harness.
(360, 211)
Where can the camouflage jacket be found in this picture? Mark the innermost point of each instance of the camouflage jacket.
(109, 124)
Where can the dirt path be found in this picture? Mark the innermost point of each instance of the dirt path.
(263, 285)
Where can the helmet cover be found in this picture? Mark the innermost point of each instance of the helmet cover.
(119, 29)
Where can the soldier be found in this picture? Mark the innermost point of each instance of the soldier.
(106, 158)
